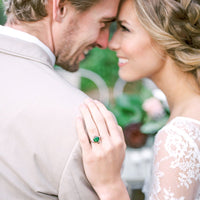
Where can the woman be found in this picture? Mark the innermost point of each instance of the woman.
(158, 39)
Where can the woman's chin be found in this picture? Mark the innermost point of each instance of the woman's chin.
(128, 77)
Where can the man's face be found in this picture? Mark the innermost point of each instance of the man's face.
(80, 32)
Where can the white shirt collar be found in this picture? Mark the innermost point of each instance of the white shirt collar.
(5, 30)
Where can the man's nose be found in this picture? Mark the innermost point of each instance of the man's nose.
(102, 40)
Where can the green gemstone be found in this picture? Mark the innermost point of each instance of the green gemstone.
(96, 139)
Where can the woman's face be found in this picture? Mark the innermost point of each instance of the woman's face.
(138, 55)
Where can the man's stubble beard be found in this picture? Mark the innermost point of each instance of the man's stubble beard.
(64, 58)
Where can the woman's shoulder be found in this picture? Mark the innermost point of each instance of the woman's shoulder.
(177, 146)
(185, 124)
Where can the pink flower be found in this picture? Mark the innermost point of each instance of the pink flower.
(153, 107)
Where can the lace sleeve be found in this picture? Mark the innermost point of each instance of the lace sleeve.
(176, 166)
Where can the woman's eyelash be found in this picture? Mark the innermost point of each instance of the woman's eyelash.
(124, 28)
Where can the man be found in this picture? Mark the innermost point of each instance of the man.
(40, 158)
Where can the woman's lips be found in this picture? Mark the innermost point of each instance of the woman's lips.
(122, 62)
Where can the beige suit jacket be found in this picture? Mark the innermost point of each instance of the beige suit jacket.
(40, 158)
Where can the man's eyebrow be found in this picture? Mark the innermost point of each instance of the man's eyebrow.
(108, 19)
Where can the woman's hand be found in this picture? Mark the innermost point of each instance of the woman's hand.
(102, 160)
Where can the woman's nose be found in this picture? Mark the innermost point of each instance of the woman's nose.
(114, 42)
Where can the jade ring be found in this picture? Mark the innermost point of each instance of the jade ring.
(96, 139)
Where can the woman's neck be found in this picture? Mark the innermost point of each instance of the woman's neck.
(181, 89)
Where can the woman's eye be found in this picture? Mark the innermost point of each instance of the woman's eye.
(123, 28)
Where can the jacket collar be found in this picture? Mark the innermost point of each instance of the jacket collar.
(27, 50)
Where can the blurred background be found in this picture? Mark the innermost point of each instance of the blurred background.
(2, 16)
(140, 109)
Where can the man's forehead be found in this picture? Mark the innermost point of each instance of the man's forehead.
(108, 9)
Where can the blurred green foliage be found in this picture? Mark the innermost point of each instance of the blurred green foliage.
(128, 109)
(104, 63)
(2, 16)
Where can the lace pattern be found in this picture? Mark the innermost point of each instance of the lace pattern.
(176, 164)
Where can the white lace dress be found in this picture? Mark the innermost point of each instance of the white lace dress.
(176, 164)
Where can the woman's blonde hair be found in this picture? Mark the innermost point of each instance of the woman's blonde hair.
(175, 25)
(35, 10)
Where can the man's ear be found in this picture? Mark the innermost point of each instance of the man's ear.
(59, 10)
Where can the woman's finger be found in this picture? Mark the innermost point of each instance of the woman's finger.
(90, 125)
(83, 136)
(98, 118)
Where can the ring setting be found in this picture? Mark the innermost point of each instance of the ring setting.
(96, 139)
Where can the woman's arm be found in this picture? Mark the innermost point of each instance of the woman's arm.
(102, 160)
(176, 166)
